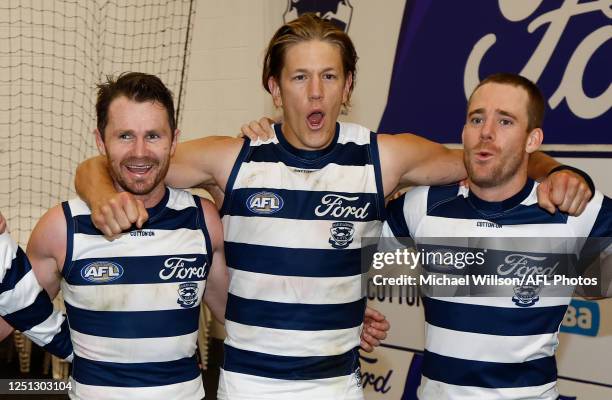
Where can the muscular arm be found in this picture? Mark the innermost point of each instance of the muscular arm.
(411, 160)
(47, 249)
(217, 283)
(196, 163)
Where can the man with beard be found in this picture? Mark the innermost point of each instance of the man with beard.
(296, 207)
(494, 347)
(134, 303)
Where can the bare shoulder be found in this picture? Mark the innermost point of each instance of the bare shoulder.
(48, 238)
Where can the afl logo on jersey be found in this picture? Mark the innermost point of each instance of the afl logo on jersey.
(102, 272)
(265, 203)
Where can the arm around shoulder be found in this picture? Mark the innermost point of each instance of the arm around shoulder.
(409, 160)
(204, 161)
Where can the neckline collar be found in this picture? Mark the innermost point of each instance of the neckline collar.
(306, 155)
(504, 205)
(156, 209)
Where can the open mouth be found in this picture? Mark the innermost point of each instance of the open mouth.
(138, 169)
(315, 120)
(484, 155)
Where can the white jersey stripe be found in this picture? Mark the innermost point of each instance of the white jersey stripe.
(337, 178)
(140, 350)
(126, 297)
(188, 390)
(313, 234)
(184, 241)
(44, 332)
(232, 384)
(21, 296)
(516, 349)
(432, 389)
(295, 289)
(292, 343)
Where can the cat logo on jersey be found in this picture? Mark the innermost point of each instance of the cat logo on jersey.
(341, 234)
(188, 294)
(101, 271)
(265, 203)
(526, 295)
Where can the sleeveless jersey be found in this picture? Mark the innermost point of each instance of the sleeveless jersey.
(133, 303)
(25, 305)
(293, 222)
(493, 347)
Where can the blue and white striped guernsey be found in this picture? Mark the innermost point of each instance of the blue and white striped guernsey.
(293, 222)
(26, 306)
(133, 304)
(494, 348)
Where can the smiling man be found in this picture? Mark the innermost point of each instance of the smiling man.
(134, 303)
(295, 209)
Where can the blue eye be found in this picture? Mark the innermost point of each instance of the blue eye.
(506, 122)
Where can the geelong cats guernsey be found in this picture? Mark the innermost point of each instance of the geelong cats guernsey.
(500, 347)
(26, 306)
(293, 222)
(133, 303)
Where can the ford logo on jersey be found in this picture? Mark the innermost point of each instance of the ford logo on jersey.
(101, 271)
(264, 203)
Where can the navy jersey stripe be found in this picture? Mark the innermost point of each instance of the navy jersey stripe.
(375, 160)
(101, 373)
(437, 195)
(70, 227)
(61, 345)
(293, 316)
(133, 324)
(32, 315)
(201, 224)
(139, 270)
(290, 368)
(395, 217)
(186, 218)
(603, 225)
(456, 371)
(507, 321)
(445, 202)
(304, 205)
(314, 263)
(348, 154)
(229, 186)
(20, 266)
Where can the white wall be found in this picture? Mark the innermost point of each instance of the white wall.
(224, 86)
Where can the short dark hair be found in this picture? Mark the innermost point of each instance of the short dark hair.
(302, 29)
(136, 86)
(536, 105)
